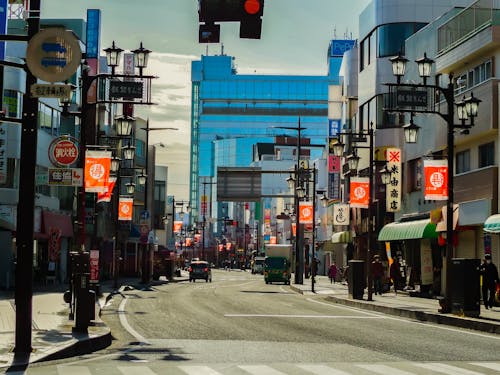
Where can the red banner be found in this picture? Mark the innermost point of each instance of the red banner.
(125, 206)
(94, 266)
(306, 211)
(97, 165)
(360, 192)
(436, 180)
(106, 197)
(177, 226)
(54, 243)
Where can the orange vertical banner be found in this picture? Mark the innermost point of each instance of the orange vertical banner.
(306, 212)
(177, 226)
(97, 166)
(125, 209)
(360, 192)
(436, 180)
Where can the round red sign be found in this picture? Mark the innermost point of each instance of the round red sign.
(63, 152)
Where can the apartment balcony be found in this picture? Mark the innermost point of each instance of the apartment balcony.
(477, 184)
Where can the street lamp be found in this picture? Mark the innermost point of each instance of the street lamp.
(466, 109)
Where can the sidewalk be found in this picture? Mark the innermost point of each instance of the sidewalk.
(423, 309)
(52, 335)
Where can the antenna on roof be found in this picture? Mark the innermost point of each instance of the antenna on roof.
(334, 33)
(222, 49)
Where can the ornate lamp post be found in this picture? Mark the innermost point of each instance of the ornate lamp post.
(467, 109)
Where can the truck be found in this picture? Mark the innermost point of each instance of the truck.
(277, 264)
(258, 265)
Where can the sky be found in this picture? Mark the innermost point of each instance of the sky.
(294, 41)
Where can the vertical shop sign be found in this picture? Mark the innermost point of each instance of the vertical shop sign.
(3, 152)
(305, 213)
(393, 189)
(341, 214)
(94, 266)
(54, 243)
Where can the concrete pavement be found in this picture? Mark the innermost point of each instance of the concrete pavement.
(422, 309)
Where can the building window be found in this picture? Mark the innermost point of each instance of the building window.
(473, 77)
(486, 154)
(414, 175)
(391, 37)
(462, 161)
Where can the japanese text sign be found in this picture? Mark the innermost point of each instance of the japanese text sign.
(306, 211)
(393, 188)
(436, 180)
(97, 165)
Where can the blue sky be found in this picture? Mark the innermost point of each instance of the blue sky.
(294, 40)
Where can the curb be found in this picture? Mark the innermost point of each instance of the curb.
(468, 323)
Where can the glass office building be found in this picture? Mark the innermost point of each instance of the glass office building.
(232, 112)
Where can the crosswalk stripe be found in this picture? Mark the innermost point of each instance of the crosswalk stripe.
(489, 365)
(199, 370)
(261, 370)
(446, 369)
(383, 369)
(322, 370)
(73, 370)
(136, 370)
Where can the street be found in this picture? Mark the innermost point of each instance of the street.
(239, 325)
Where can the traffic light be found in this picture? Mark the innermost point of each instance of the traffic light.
(247, 12)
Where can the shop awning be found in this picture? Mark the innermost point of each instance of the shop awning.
(492, 224)
(341, 237)
(408, 230)
(55, 220)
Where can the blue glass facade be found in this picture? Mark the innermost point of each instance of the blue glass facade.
(232, 112)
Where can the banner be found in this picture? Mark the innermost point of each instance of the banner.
(177, 226)
(106, 197)
(436, 180)
(125, 209)
(360, 192)
(341, 214)
(97, 165)
(294, 229)
(54, 243)
(306, 211)
(393, 188)
(94, 266)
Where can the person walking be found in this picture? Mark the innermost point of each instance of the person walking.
(332, 273)
(377, 274)
(395, 273)
(489, 272)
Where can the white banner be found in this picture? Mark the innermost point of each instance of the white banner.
(341, 214)
(393, 189)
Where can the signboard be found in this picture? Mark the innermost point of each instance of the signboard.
(3, 26)
(93, 30)
(54, 243)
(125, 89)
(106, 197)
(339, 46)
(341, 214)
(334, 185)
(42, 90)
(411, 98)
(144, 230)
(94, 266)
(436, 180)
(334, 127)
(97, 165)
(53, 54)
(393, 189)
(65, 176)
(63, 151)
(177, 226)
(360, 192)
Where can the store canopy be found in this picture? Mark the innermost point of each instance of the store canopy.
(492, 224)
(408, 230)
(341, 237)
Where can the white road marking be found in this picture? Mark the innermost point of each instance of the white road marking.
(73, 370)
(446, 369)
(136, 370)
(128, 327)
(322, 370)
(261, 370)
(300, 316)
(489, 365)
(384, 370)
(428, 325)
(199, 370)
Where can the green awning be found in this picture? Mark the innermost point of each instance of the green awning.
(341, 237)
(492, 224)
(408, 230)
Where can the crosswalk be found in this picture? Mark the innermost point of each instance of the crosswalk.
(393, 368)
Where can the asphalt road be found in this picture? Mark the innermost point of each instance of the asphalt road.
(239, 325)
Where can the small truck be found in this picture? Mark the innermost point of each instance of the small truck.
(277, 265)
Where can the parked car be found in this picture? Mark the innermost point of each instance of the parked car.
(200, 270)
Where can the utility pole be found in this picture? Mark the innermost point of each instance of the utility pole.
(26, 204)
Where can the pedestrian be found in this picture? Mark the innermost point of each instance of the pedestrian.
(395, 273)
(332, 272)
(377, 274)
(489, 272)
